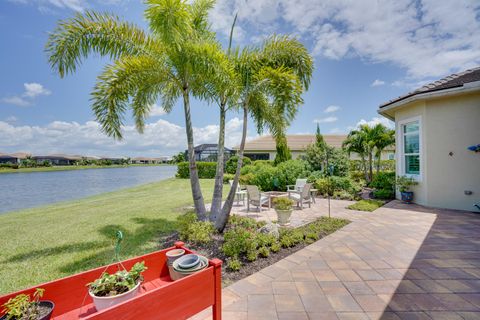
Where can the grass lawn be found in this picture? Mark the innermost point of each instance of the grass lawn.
(53, 241)
(366, 205)
(64, 168)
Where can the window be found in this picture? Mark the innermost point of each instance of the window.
(391, 156)
(411, 147)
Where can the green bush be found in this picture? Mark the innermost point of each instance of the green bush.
(234, 264)
(206, 170)
(384, 194)
(265, 239)
(9, 165)
(246, 179)
(192, 230)
(330, 185)
(238, 241)
(227, 177)
(290, 237)
(358, 177)
(291, 170)
(314, 176)
(275, 247)
(383, 180)
(237, 221)
(343, 195)
(231, 164)
(252, 255)
(264, 252)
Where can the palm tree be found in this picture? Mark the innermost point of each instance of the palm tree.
(356, 143)
(384, 139)
(272, 79)
(178, 58)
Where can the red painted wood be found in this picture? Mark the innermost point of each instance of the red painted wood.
(159, 298)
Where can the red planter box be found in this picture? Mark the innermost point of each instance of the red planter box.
(159, 298)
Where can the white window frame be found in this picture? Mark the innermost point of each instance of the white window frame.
(401, 153)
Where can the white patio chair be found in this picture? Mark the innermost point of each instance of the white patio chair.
(256, 198)
(239, 193)
(298, 186)
(301, 197)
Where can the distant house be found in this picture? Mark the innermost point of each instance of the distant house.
(58, 159)
(264, 147)
(13, 158)
(209, 152)
(434, 126)
(149, 160)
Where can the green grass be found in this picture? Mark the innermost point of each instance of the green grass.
(49, 242)
(64, 168)
(366, 205)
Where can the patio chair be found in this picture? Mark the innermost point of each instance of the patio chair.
(302, 196)
(299, 184)
(256, 198)
(239, 193)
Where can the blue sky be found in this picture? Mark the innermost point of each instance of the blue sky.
(365, 53)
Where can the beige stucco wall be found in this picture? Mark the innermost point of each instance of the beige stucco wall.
(296, 154)
(447, 125)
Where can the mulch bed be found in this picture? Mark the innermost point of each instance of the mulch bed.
(213, 250)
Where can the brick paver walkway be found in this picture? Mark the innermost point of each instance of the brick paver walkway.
(399, 262)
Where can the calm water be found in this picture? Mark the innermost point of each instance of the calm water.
(32, 189)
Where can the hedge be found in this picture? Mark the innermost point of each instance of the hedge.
(206, 170)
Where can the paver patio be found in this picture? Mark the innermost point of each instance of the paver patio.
(399, 262)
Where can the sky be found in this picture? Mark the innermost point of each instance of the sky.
(366, 52)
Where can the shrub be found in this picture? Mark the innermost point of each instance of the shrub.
(343, 195)
(358, 177)
(206, 170)
(329, 185)
(192, 230)
(227, 177)
(266, 178)
(252, 255)
(238, 241)
(236, 221)
(383, 180)
(366, 205)
(264, 252)
(311, 237)
(283, 203)
(291, 170)
(275, 247)
(231, 164)
(265, 239)
(314, 176)
(234, 264)
(383, 194)
(246, 179)
(290, 237)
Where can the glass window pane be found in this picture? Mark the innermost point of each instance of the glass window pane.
(411, 127)
(411, 143)
(412, 164)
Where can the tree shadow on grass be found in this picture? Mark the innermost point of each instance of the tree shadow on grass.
(134, 243)
(55, 251)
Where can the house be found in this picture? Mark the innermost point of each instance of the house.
(264, 147)
(143, 160)
(58, 159)
(435, 125)
(209, 152)
(13, 158)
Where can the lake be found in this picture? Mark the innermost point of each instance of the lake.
(32, 189)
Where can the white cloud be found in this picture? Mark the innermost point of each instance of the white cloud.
(326, 120)
(336, 131)
(35, 89)
(11, 119)
(159, 138)
(48, 6)
(374, 121)
(420, 37)
(156, 111)
(16, 101)
(32, 90)
(377, 83)
(331, 109)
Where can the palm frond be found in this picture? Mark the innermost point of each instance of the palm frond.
(90, 32)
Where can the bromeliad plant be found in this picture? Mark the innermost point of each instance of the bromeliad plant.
(114, 284)
(22, 307)
(283, 203)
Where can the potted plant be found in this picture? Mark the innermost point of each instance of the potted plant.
(112, 289)
(22, 307)
(283, 207)
(403, 184)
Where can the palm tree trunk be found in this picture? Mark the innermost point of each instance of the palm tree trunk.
(227, 206)
(364, 167)
(198, 201)
(370, 166)
(379, 156)
(218, 187)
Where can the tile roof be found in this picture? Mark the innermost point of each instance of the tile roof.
(297, 142)
(452, 81)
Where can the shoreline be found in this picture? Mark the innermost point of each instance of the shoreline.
(73, 167)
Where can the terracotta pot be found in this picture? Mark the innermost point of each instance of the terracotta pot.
(174, 254)
(283, 216)
(102, 303)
